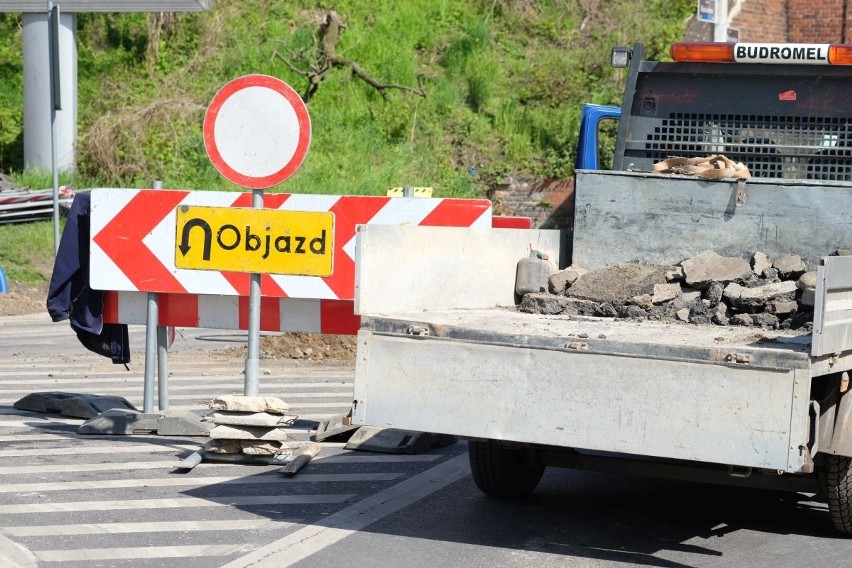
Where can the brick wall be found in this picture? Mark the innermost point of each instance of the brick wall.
(548, 203)
(797, 21)
(818, 21)
(761, 20)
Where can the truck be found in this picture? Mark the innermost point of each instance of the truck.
(444, 348)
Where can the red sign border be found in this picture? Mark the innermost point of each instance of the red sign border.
(304, 125)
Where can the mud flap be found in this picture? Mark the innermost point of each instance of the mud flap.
(393, 441)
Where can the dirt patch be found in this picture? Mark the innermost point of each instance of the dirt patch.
(307, 346)
(23, 299)
(315, 346)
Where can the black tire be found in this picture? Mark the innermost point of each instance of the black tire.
(839, 492)
(502, 472)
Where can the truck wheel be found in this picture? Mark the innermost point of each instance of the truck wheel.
(502, 472)
(839, 491)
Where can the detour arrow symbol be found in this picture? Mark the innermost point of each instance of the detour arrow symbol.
(208, 237)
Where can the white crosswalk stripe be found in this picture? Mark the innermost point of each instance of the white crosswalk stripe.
(149, 527)
(195, 481)
(177, 503)
(69, 498)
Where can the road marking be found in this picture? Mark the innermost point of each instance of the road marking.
(159, 552)
(14, 555)
(72, 378)
(55, 469)
(302, 543)
(270, 477)
(174, 386)
(335, 409)
(88, 450)
(178, 503)
(149, 527)
(28, 423)
(200, 398)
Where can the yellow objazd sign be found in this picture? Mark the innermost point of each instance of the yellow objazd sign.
(262, 241)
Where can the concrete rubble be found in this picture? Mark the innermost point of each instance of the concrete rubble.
(254, 428)
(772, 293)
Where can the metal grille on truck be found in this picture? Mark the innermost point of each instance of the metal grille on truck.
(770, 146)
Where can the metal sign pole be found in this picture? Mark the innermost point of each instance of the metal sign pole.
(151, 345)
(253, 354)
(56, 104)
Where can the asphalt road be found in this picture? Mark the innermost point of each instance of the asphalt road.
(69, 500)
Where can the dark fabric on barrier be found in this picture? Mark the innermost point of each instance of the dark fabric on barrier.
(70, 296)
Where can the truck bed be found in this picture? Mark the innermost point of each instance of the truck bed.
(507, 325)
(711, 394)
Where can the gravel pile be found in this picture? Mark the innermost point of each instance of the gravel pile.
(706, 289)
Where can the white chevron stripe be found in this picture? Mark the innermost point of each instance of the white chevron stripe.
(305, 287)
(110, 199)
(307, 202)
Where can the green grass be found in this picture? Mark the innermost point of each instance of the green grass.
(26, 251)
(505, 81)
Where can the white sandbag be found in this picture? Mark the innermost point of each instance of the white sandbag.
(225, 432)
(261, 419)
(249, 404)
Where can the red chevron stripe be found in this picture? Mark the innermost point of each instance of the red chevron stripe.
(349, 211)
(456, 213)
(121, 240)
(506, 222)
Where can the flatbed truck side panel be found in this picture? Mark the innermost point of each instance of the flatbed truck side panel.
(732, 414)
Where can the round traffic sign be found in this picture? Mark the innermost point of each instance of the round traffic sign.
(257, 131)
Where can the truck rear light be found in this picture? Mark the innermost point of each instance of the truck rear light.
(840, 54)
(777, 53)
(705, 52)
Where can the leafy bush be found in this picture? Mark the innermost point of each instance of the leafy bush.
(504, 82)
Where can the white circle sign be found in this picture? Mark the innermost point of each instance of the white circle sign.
(257, 131)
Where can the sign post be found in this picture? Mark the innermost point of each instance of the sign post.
(256, 133)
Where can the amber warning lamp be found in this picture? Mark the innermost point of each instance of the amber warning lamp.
(772, 53)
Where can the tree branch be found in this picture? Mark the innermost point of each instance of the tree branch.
(326, 58)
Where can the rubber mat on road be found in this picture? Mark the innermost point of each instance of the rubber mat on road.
(75, 405)
(125, 422)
